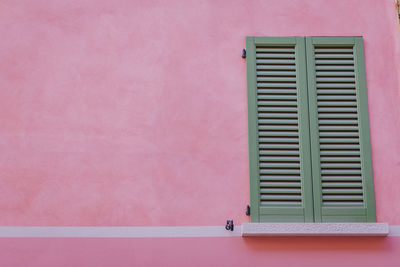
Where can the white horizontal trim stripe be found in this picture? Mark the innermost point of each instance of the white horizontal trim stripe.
(394, 230)
(128, 232)
(118, 232)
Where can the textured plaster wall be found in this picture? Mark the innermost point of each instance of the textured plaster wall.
(218, 252)
(134, 112)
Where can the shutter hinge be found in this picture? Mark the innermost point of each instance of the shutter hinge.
(244, 53)
(248, 210)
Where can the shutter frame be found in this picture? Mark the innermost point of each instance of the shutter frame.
(279, 213)
(364, 130)
(253, 129)
(338, 213)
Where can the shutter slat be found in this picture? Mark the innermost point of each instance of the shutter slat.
(278, 140)
(334, 68)
(274, 55)
(337, 122)
(339, 153)
(276, 67)
(273, 190)
(342, 197)
(337, 116)
(279, 146)
(276, 85)
(336, 80)
(275, 204)
(325, 73)
(276, 79)
(275, 50)
(348, 203)
(346, 178)
(338, 134)
(337, 104)
(279, 128)
(340, 159)
(334, 56)
(277, 116)
(276, 121)
(343, 92)
(280, 197)
(276, 73)
(338, 128)
(279, 171)
(280, 165)
(277, 133)
(341, 185)
(277, 103)
(334, 62)
(339, 146)
(277, 91)
(278, 153)
(339, 140)
(279, 159)
(340, 165)
(276, 61)
(342, 191)
(333, 50)
(335, 85)
(281, 178)
(274, 97)
(280, 184)
(336, 98)
(278, 109)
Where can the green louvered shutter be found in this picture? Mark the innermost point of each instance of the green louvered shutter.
(340, 146)
(279, 142)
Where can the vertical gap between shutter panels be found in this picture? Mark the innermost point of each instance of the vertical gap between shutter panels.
(278, 129)
(340, 158)
(309, 128)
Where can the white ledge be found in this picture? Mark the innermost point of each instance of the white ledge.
(315, 229)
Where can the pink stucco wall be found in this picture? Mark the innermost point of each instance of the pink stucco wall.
(218, 252)
(134, 112)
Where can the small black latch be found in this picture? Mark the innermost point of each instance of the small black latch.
(244, 53)
(248, 210)
(229, 225)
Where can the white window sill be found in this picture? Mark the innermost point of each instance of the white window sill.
(315, 229)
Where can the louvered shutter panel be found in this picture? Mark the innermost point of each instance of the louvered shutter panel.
(279, 145)
(340, 146)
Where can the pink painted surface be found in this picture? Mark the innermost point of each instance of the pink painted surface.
(134, 112)
(201, 252)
